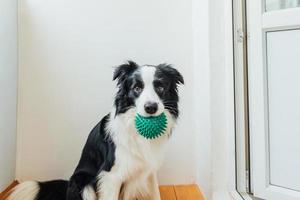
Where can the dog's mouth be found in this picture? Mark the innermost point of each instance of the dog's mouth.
(148, 115)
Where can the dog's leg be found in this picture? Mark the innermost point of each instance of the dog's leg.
(154, 188)
(109, 185)
(141, 188)
(77, 183)
(129, 191)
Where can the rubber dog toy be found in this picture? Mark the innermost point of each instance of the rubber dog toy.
(151, 127)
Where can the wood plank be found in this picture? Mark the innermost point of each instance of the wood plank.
(167, 193)
(188, 192)
(5, 193)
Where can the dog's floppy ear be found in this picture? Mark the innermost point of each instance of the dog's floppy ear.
(172, 73)
(124, 70)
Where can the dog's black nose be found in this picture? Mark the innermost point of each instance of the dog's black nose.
(151, 107)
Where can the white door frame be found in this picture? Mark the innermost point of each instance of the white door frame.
(227, 170)
(241, 98)
(259, 23)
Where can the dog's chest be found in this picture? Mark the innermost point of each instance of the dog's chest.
(135, 154)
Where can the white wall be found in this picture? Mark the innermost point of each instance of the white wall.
(8, 88)
(214, 97)
(222, 100)
(202, 100)
(67, 51)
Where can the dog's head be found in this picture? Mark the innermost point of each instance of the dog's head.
(149, 89)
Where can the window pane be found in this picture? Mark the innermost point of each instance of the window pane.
(283, 106)
(281, 4)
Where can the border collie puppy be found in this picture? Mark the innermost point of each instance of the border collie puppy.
(117, 163)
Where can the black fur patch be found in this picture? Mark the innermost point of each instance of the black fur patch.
(170, 78)
(51, 190)
(98, 154)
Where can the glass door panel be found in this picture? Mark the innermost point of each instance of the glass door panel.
(281, 4)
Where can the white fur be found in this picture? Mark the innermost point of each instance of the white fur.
(137, 160)
(148, 94)
(25, 191)
(89, 193)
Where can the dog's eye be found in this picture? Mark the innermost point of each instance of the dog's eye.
(160, 89)
(137, 89)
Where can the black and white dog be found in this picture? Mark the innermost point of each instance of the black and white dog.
(116, 162)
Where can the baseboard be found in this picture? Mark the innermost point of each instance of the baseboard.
(5, 192)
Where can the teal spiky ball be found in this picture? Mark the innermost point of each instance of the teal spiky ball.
(151, 127)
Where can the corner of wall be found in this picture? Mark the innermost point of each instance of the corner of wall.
(201, 60)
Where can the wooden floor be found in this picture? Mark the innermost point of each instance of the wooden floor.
(3, 194)
(180, 192)
(177, 192)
